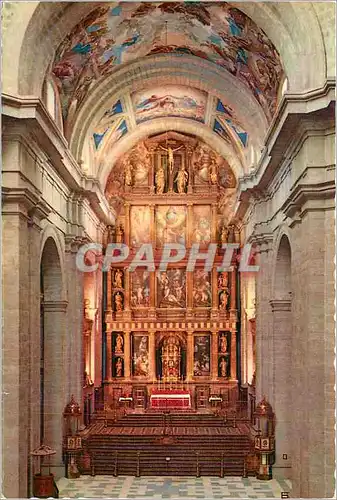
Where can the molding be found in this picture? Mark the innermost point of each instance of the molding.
(55, 305)
(280, 305)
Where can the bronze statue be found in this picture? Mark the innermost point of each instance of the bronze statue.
(119, 344)
(223, 344)
(170, 156)
(223, 299)
(160, 180)
(128, 172)
(224, 235)
(213, 175)
(118, 281)
(182, 177)
(119, 367)
(223, 367)
(118, 302)
(120, 234)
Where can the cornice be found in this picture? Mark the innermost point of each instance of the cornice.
(280, 305)
(55, 305)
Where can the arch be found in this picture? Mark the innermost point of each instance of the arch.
(279, 21)
(282, 289)
(52, 343)
(56, 248)
(157, 126)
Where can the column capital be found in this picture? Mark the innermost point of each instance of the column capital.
(280, 305)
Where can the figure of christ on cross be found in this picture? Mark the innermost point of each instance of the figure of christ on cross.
(170, 156)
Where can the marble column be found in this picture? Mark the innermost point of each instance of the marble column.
(152, 355)
(214, 356)
(189, 363)
(127, 354)
(108, 374)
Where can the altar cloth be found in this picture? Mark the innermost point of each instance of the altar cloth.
(170, 399)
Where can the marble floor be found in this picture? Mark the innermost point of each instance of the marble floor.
(171, 487)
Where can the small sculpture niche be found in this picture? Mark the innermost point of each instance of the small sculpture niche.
(118, 278)
(118, 302)
(223, 367)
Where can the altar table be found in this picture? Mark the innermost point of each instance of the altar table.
(170, 399)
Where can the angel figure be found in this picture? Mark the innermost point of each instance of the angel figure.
(170, 156)
(182, 177)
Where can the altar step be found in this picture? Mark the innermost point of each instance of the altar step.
(172, 419)
(189, 455)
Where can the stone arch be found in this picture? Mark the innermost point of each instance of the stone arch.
(52, 346)
(281, 353)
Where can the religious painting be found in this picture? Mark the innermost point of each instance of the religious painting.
(140, 288)
(140, 355)
(140, 159)
(140, 219)
(202, 218)
(103, 131)
(202, 290)
(118, 34)
(171, 288)
(169, 100)
(202, 357)
(171, 224)
(222, 131)
(231, 119)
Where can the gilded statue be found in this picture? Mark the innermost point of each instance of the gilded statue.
(119, 367)
(170, 156)
(182, 178)
(223, 280)
(118, 302)
(120, 234)
(224, 235)
(118, 279)
(223, 344)
(128, 172)
(160, 179)
(223, 300)
(223, 367)
(119, 344)
(213, 174)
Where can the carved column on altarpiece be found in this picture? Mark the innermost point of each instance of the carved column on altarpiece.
(108, 372)
(127, 291)
(189, 360)
(214, 312)
(189, 153)
(153, 155)
(152, 310)
(152, 355)
(127, 354)
(189, 274)
(233, 320)
(127, 224)
(214, 356)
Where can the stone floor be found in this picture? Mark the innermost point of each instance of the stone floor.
(171, 487)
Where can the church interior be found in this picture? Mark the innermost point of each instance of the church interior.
(200, 125)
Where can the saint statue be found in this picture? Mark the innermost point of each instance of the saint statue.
(223, 367)
(118, 279)
(119, 344)
(213, 174)
(119, 367)
(120, 234)
(170, 156)
(182, 177)
(223, 344)
(128, 172)
(223, 300)
(160, 180)
(118, 302)
(224, 235)
(223, 280)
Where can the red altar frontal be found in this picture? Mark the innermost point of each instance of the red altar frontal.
(171, 399)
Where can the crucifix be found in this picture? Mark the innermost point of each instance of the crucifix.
(170, 156)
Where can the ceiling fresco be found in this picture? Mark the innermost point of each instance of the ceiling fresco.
(169, 100)
(115, 34)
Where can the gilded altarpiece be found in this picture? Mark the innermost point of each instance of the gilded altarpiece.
(174, 325)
